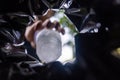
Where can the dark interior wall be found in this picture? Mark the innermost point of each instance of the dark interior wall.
(8, 6)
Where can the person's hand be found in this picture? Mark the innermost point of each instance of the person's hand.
(39, 25)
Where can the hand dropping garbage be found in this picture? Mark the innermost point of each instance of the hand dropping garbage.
(48, 41)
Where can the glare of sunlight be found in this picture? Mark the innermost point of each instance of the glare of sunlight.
(67, 54)
(68, 38)
(67, 49)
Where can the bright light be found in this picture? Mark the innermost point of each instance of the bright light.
(67, 39)
(67, 49)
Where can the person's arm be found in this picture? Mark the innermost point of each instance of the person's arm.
(30, 31)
